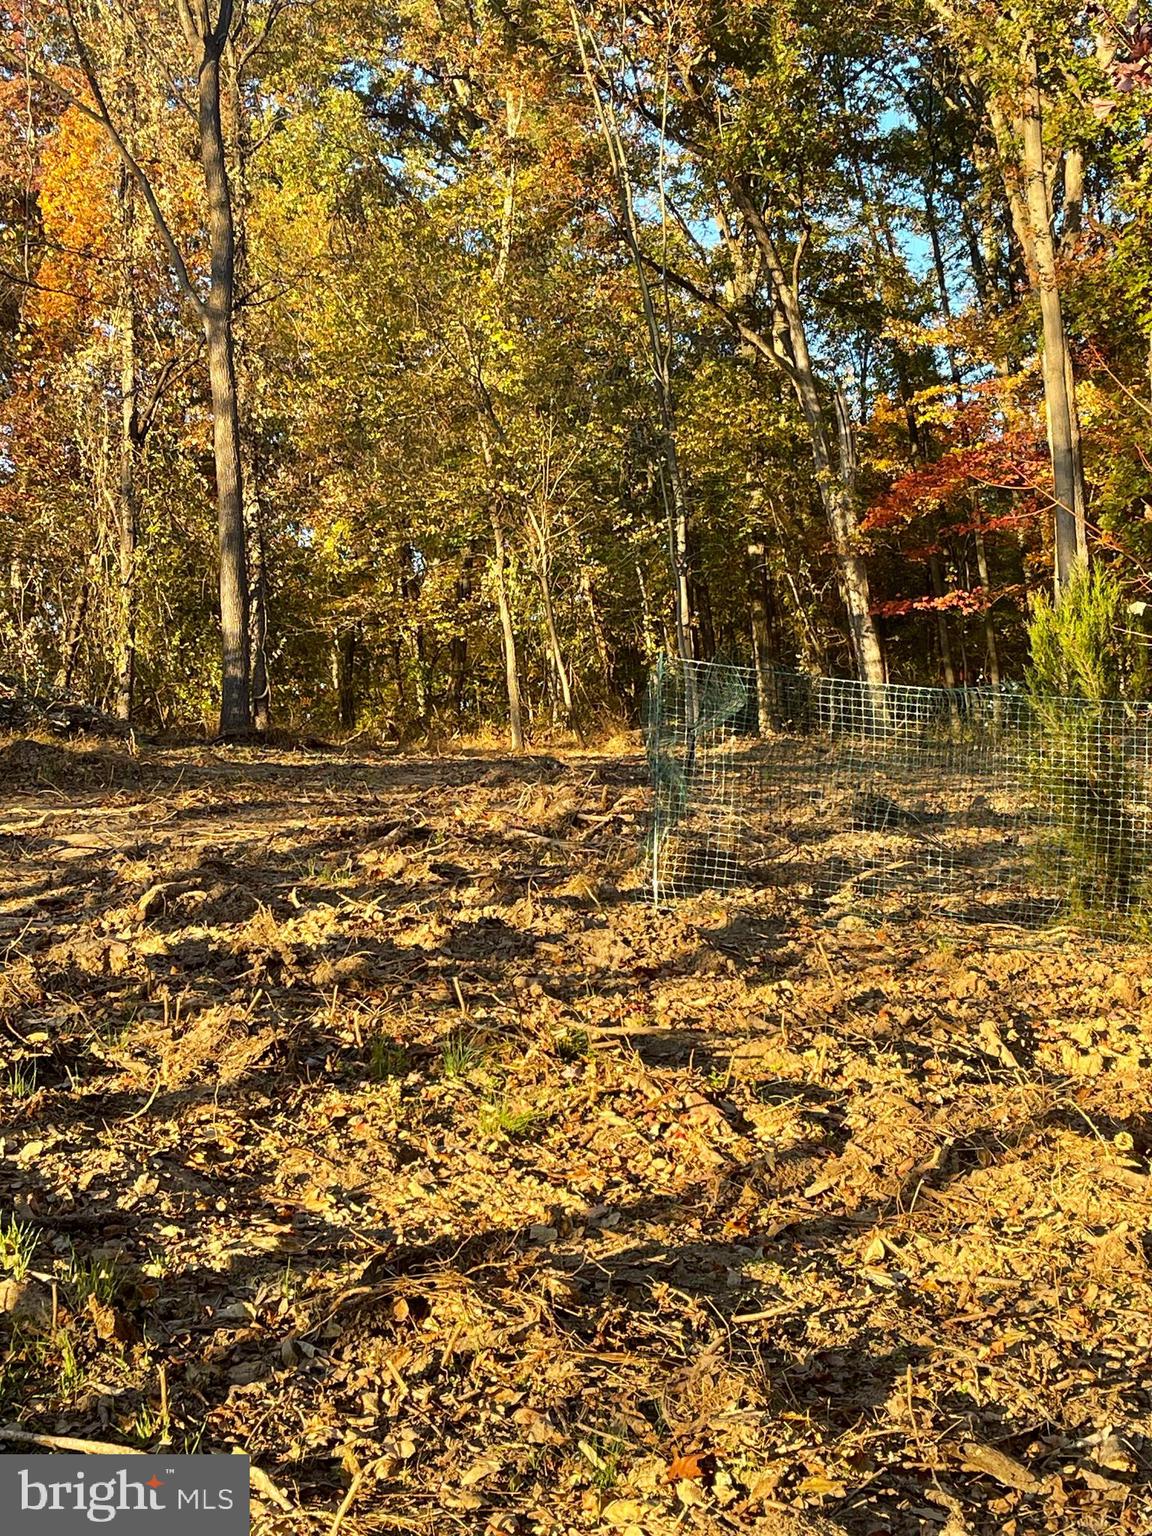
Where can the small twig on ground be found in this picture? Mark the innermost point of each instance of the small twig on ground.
(346, 1503)
(823, 953)
(144, 1108)
(912, 1419)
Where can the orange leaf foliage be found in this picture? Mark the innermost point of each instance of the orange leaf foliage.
(691, 1467)
(78, 201)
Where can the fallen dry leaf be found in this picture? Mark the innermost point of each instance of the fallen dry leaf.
(691, 1466)
(622, 1512)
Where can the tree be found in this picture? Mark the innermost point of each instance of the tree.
(1020, 72)
(755, 160)
(205, 30)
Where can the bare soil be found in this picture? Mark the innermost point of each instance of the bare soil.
(362, 1114)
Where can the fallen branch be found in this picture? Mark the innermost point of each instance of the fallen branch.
(259, 1479)
(67, 1443)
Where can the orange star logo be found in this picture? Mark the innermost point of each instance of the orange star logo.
(154, 1482)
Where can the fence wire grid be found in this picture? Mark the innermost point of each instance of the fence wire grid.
(989, 805)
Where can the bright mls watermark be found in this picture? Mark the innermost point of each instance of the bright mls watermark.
(63, 1495)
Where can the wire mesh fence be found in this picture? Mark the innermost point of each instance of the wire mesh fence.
(993, 805)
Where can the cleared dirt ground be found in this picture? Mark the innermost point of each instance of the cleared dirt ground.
(361, 1114)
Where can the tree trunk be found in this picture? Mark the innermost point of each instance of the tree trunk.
(235, 710)
(599, 638)
(651, 640)
(1032, 213)
(255, 549)
(1073, 222)
(990, 644)
(424, 702)
(807, 644)
(257, 593)
(763, 639)
(559, 665)
(458, 649)
(677, 519)
(541, 538)
(511, 670)
(126, 509)
(131, 434)
(704, 643)
(865, 637)
(16, 603)
(261, 686)
(344, 677)
(235, 713)
(206, 38)
(838, 495)
(1077, 459)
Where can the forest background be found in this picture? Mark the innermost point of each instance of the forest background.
(432, 366)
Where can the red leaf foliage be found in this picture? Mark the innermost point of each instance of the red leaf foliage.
(1014, 461)
(971, 600)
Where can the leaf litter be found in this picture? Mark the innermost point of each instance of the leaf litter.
(361, 1114)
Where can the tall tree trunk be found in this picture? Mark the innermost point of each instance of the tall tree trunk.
(1027, 183)
(704, 641)
(508, 634)
(218, 315)
(207, 36)
(16, 603)
(126, 502)
(842, 512)
(879, 226)
(1073, 222)
(651, 639)
(235, 713)
(676, 512)
(131, 432)
(424, 702)
(764, 654)
(809, 643)
(255, 547)
(261, 687)
(932, 220)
